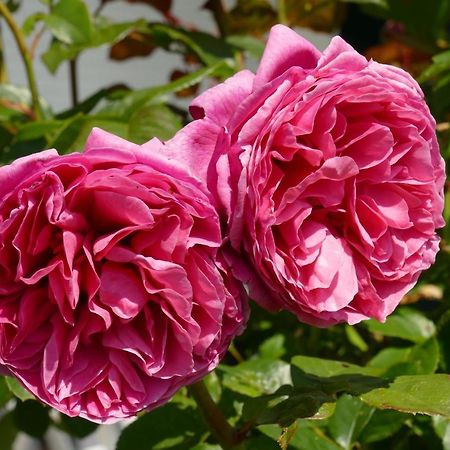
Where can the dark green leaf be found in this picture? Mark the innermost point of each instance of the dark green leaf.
(406, 324)
(72, 136)
(382, 424)
(250, 44)
(8, 431)
(76, 426)
(167, 427)
(5, 393)
(208, 48)
(32, 418)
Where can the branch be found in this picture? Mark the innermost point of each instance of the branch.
(25, 54)
(214, 417)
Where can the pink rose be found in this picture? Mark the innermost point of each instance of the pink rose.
(327, 170)
(112, 291)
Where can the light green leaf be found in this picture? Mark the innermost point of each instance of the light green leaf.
(31, 21)
(123, 104)
(327, 367)
(153, 121)
(307, 437)
(349, 419)
(424, 394)
(273, 347)
(17, 389)
(103, 32)
(70, 22)
(355, 338)
(419, 359)
(256, 377)
(406, 324)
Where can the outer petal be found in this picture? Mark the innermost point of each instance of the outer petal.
(285, 49)
(219, 102)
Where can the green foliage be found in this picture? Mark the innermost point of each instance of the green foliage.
(284, 385)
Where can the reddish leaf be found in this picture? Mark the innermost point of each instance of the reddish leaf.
(186, 92)
(135, 44)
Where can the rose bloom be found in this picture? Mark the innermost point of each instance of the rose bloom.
(326, 168)
(112, 292)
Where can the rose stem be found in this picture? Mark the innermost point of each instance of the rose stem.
(282, 17)
(25, 54)
(220, 16)
(214, 417)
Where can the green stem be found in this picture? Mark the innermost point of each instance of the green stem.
(214, 417)
(281, 7)
(73, 81)
(220, 16)
(25, 54)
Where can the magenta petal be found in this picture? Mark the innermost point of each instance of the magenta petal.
(219, 102)
(284, 49)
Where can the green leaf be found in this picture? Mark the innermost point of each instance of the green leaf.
(86, 106)
(123, 104)
(306, 398)
(206, 447)
(21, 96)
(419, 359)
(17, 389)
(72, 136)
(327, 367)
(208, 48)
(31, 21)
(5, 393)
(57, 53)
(406, 324)
(349, 419)
(167, 427)
(256, 377)
(382, 424)
(32, 418)
(307, 437)
(153, 121)
(8, 431)
(70, 22)
(273, 348)
(424, 394)
(250, 44)
(380, 3)
(76, 426)
(355, 338)
(284, 406)
(102, 33)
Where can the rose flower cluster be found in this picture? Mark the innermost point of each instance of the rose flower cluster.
(314, 185)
